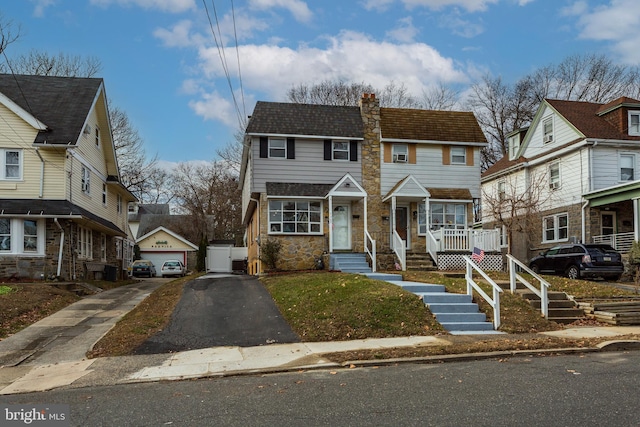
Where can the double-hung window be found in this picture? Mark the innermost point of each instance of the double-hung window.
(85, 180)
(458, 156)
(555, 227)
(103, 246)
(634, 123)
(547, 130)
(295, 217)
(21, 236)
(85, 243)
(400, 153)
(627, 167)
(554, 175)
(278, 148)
(11, 163)
(340, 150)
(104, 194)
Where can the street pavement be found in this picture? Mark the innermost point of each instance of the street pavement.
(51, 353)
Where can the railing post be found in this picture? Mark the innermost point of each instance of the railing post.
(496, 308)
(512, 274)
(469, 277)
(544, 301)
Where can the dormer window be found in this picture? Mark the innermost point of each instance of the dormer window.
(514, 146)
(547, 130)
(634, 123)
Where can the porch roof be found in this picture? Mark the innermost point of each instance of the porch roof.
(615, 194)
(450, 193)
(408, 188)
(36, 208)
(297, 189)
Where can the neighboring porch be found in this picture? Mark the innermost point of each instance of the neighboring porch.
(614, 216)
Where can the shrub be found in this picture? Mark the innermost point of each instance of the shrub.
(270, 253)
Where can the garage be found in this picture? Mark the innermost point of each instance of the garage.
(163, 244)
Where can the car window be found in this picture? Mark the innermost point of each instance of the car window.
(552, 251)
(566, 250)
(577, 250)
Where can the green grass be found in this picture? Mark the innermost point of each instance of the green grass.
(337, 306)
(5, 290)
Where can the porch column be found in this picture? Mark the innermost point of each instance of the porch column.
(366, 224)
(393, 219)
(330, 224)
(427, 220)
(636, 220)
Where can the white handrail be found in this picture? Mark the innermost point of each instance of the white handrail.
(542, 293)
(433, 245)
(400, 248)
(471, 285)
(372, 252)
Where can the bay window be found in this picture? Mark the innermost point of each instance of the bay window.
(22, 236)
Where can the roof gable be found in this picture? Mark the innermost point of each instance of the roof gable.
(62, 103)
(170, 233)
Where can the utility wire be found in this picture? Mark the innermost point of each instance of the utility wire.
(235, 36)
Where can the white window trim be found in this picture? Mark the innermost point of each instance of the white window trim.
(295, 233)
(283, 148)
(103, 247)
(633, 160)
(400, 153)
(16, 230)
(556, 228)
(464, 155)
(85, 178)
(334, 150)
(554, 185)
(105, 194)
(85, 243)
(502, 190)
(119, 204)
(97, 136)
(430, 221)
(548, 138)
(3, 164)
(633, 113)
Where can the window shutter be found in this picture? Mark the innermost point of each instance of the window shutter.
(291, 148)
(412, 153)
(353, 151)
(469, 156)
(327, 149)
(446, 155)
(387, 152)
(264, 147)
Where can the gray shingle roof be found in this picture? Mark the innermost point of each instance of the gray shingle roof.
(61, 103)
(298, 189)
(271, 118)
(50, 208)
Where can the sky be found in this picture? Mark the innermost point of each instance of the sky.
(187, 92)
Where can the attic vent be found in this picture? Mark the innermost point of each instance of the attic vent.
(87, 130)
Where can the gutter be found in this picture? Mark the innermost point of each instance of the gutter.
(55, 220)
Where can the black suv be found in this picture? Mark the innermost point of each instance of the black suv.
(578, 260)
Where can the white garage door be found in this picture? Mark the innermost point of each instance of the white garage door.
(219, 259)
(157, 258)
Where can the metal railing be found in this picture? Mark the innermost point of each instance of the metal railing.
(514, 277)
(370, 249)
(621, 242)
(400, 249)
(471, 285)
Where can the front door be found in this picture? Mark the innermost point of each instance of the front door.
(341, 227)
(608, 223)
(402, 223)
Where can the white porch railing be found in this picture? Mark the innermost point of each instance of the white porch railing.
(514, 277)
(464, 240)
(621, 242)
(370, 249)
(432, 246)
(400, 248)
(471, 285)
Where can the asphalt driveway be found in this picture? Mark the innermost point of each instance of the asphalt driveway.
(229, 310)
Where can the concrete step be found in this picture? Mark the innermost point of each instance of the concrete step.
(467, 326)
(387, 277)
(419, 287)
(453, 308)
(553, 304)
(461, 317)
(445, 297)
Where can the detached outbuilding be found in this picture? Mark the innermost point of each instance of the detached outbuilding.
(162, 244)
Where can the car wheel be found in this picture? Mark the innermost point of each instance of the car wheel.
(573, 272)
(535, 268)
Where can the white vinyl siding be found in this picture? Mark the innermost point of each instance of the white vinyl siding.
(562, 133)
(431, 173)
(308, 166)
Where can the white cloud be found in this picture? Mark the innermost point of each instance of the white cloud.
(380, 5)
(616, 22)
(178, 36)
(40, 6)
(298, 8)
(350, 56)
(172, 6)
(468, 5)
(461, 27)
(575, 9)
(213, 106)
(405, 32)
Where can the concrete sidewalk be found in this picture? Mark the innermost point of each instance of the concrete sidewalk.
(51, 353)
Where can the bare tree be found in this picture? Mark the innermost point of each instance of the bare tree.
(62, 65)
(440, 97)
(8, 34)
(515, 201)
(231, 153)
(210, 193)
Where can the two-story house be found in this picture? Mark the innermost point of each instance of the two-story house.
(327, 179)
(581, 159)
(63, 209)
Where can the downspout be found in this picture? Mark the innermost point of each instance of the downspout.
(41, 174)
(55, 220)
